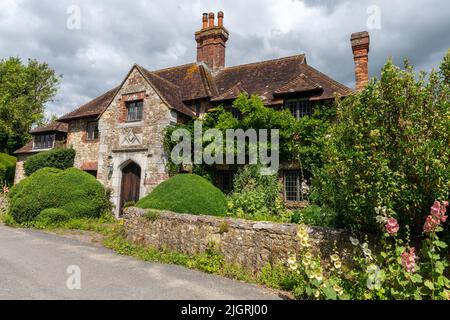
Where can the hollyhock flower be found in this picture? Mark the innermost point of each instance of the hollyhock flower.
(392, 226)
(338, 289)
(409, 260)
(430, 224)
(354, 241)
(292, 262)
(437, 216)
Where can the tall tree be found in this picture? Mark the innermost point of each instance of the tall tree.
(24, 91)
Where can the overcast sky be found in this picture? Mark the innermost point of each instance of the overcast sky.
(114, 34)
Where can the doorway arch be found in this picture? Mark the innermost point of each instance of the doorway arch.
(130, 184)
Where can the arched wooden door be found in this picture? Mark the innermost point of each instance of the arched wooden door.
(131, 182)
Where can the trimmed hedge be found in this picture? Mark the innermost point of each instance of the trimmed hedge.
(72, 190)
(7, 168)
(60, 158)
(186, 193)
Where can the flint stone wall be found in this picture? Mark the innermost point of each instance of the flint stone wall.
(251, 244)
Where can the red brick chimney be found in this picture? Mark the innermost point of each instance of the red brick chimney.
(211, 41)
(360, 47)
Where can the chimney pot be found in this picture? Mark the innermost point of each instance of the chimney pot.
(360, 46)
(211, 42)
(205, 21)
(220, 18)
(211, 19)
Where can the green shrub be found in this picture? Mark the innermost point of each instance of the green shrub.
(315, 216)
(7, 169)
(255, 194)
(186, 193)
(60, 158)
(389, 147)
(72, 190)
(53, 216)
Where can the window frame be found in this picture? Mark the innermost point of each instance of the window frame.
(300, 105)
(137, 105)
(41, 141)
(95, 132)
(297, 186)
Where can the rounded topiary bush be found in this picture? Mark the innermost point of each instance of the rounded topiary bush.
(186, 193)
(72, 190)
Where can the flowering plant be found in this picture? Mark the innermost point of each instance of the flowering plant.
(397, 271)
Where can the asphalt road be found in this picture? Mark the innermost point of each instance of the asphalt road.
(34, 264)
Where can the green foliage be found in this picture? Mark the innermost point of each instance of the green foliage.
(389, 147)
(186, 193)
(72, 190)
(314, 215)
(24, 91)
(300, 141)
(60, 158)
(51, 216)
(255, 194)
(7, 169)
(151, 215)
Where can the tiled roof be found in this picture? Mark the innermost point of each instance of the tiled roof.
(93, 108)
(268, 79)
(168, 91)
(193, 79)
(28, 148)
(54, 126)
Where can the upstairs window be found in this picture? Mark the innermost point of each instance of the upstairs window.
(44, 141)
(92, 131)
(299, 107)
(135, 111)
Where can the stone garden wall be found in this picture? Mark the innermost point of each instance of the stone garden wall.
(251, 244)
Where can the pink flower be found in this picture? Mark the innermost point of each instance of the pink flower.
(436, 217)
(5, 189)
(430, 224)
(409, 260)
(392, 226)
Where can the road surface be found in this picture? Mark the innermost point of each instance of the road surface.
(35, 265)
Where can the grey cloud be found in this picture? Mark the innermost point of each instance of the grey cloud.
(115, 34)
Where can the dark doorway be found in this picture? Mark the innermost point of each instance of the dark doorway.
(131, 181)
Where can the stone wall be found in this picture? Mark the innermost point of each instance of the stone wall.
(251, 244)
(86, 151)
(20, 171)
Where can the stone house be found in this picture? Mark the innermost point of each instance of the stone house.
(43, 138)
(118, 135)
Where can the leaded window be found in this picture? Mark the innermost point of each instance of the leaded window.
(294, 188)
(44, 141)
(299, 107)
(92, 131)
(135, 110)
